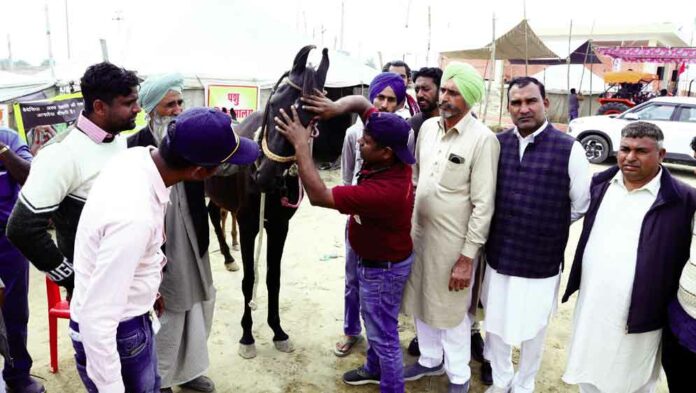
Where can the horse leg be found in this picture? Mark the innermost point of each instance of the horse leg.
(214, 213)
(223, 219)
(248, 228)
(235, 243)
(277, 233)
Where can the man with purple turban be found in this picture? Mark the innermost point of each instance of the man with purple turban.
(387, 91)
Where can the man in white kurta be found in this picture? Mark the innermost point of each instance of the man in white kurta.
(601, 353)
(518, 301)
(457, 158)
(616, 338)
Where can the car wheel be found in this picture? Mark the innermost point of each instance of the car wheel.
(596, 148)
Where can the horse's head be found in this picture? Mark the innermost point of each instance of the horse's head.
(278, 152)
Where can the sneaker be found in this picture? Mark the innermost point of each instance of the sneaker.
(454, 388)
(360, 376)
(416, 371)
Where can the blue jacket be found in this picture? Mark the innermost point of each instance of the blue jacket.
(663, 249)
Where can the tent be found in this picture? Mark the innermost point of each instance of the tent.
(583, 53)
(519, 43)
(555, 78)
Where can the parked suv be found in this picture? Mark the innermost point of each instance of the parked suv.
(676, 117)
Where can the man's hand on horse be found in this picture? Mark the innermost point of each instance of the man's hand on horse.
(321, 105)
(291, 128)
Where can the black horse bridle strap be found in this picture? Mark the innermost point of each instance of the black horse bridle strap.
(264, 125)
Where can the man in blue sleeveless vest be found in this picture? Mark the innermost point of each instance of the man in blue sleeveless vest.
(634, 244)
(542, 187)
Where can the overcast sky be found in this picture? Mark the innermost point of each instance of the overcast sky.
(396, 28)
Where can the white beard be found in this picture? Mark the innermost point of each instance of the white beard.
(159, 126)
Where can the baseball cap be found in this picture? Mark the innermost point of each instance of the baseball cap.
(392, 131)
(204, 137)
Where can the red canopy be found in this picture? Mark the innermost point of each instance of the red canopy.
(650, 54)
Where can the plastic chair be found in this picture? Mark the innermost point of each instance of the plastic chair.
(57, 308)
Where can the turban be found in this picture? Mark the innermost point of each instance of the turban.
(388, 79)
(392, 131)
(467, 80)
(156, 87)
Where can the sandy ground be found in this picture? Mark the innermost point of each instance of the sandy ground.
(312, 314)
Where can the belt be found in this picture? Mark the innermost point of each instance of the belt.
(379, 264)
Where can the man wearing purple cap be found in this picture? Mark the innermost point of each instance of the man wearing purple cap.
(379, 228)
(118, 248)
(387, 92)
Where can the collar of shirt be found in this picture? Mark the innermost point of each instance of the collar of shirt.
(460, 126)
(161, 189)
(530, 138)
(653, 186)
(93, 131)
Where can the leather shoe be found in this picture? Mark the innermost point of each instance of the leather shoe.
(486, 373)
(413, 349)
(200, 384)
(477, 346)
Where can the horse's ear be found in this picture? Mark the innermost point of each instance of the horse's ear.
(300, 63)
(323, 69)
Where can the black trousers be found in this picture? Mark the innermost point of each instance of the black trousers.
(679, 364)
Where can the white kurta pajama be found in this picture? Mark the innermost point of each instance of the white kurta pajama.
(602, 354)
(511, 318)
(455, 192)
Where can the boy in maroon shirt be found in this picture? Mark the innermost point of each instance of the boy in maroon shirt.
(380, 206)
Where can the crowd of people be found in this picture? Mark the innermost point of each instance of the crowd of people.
(445, 219)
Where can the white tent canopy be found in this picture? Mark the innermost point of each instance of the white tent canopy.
(555, 78)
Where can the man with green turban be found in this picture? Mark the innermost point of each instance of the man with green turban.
(455, 177)
(187, 283)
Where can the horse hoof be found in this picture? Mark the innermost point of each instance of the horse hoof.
(247, 351)
(284, 346)
(235, 247)
(232, 266)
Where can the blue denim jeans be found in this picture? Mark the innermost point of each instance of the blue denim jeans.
(14, 272)
(381, 291)
(351, 308)
(135, 342)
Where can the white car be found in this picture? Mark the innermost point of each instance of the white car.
(676, 117)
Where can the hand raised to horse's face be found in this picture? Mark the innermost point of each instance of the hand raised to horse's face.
(290, 126)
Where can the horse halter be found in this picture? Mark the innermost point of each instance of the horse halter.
(264, 126)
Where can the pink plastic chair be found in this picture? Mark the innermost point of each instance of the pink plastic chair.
(57, 308)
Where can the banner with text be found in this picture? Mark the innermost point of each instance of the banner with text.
(242, 99)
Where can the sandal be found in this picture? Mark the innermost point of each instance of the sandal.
(345, 346)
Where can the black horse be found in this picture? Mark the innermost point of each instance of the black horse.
(274, 175)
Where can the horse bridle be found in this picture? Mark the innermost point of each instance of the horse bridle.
(264, 125)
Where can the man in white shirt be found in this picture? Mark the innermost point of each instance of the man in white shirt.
(543, 186)
(635, 241)
(118, 257)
